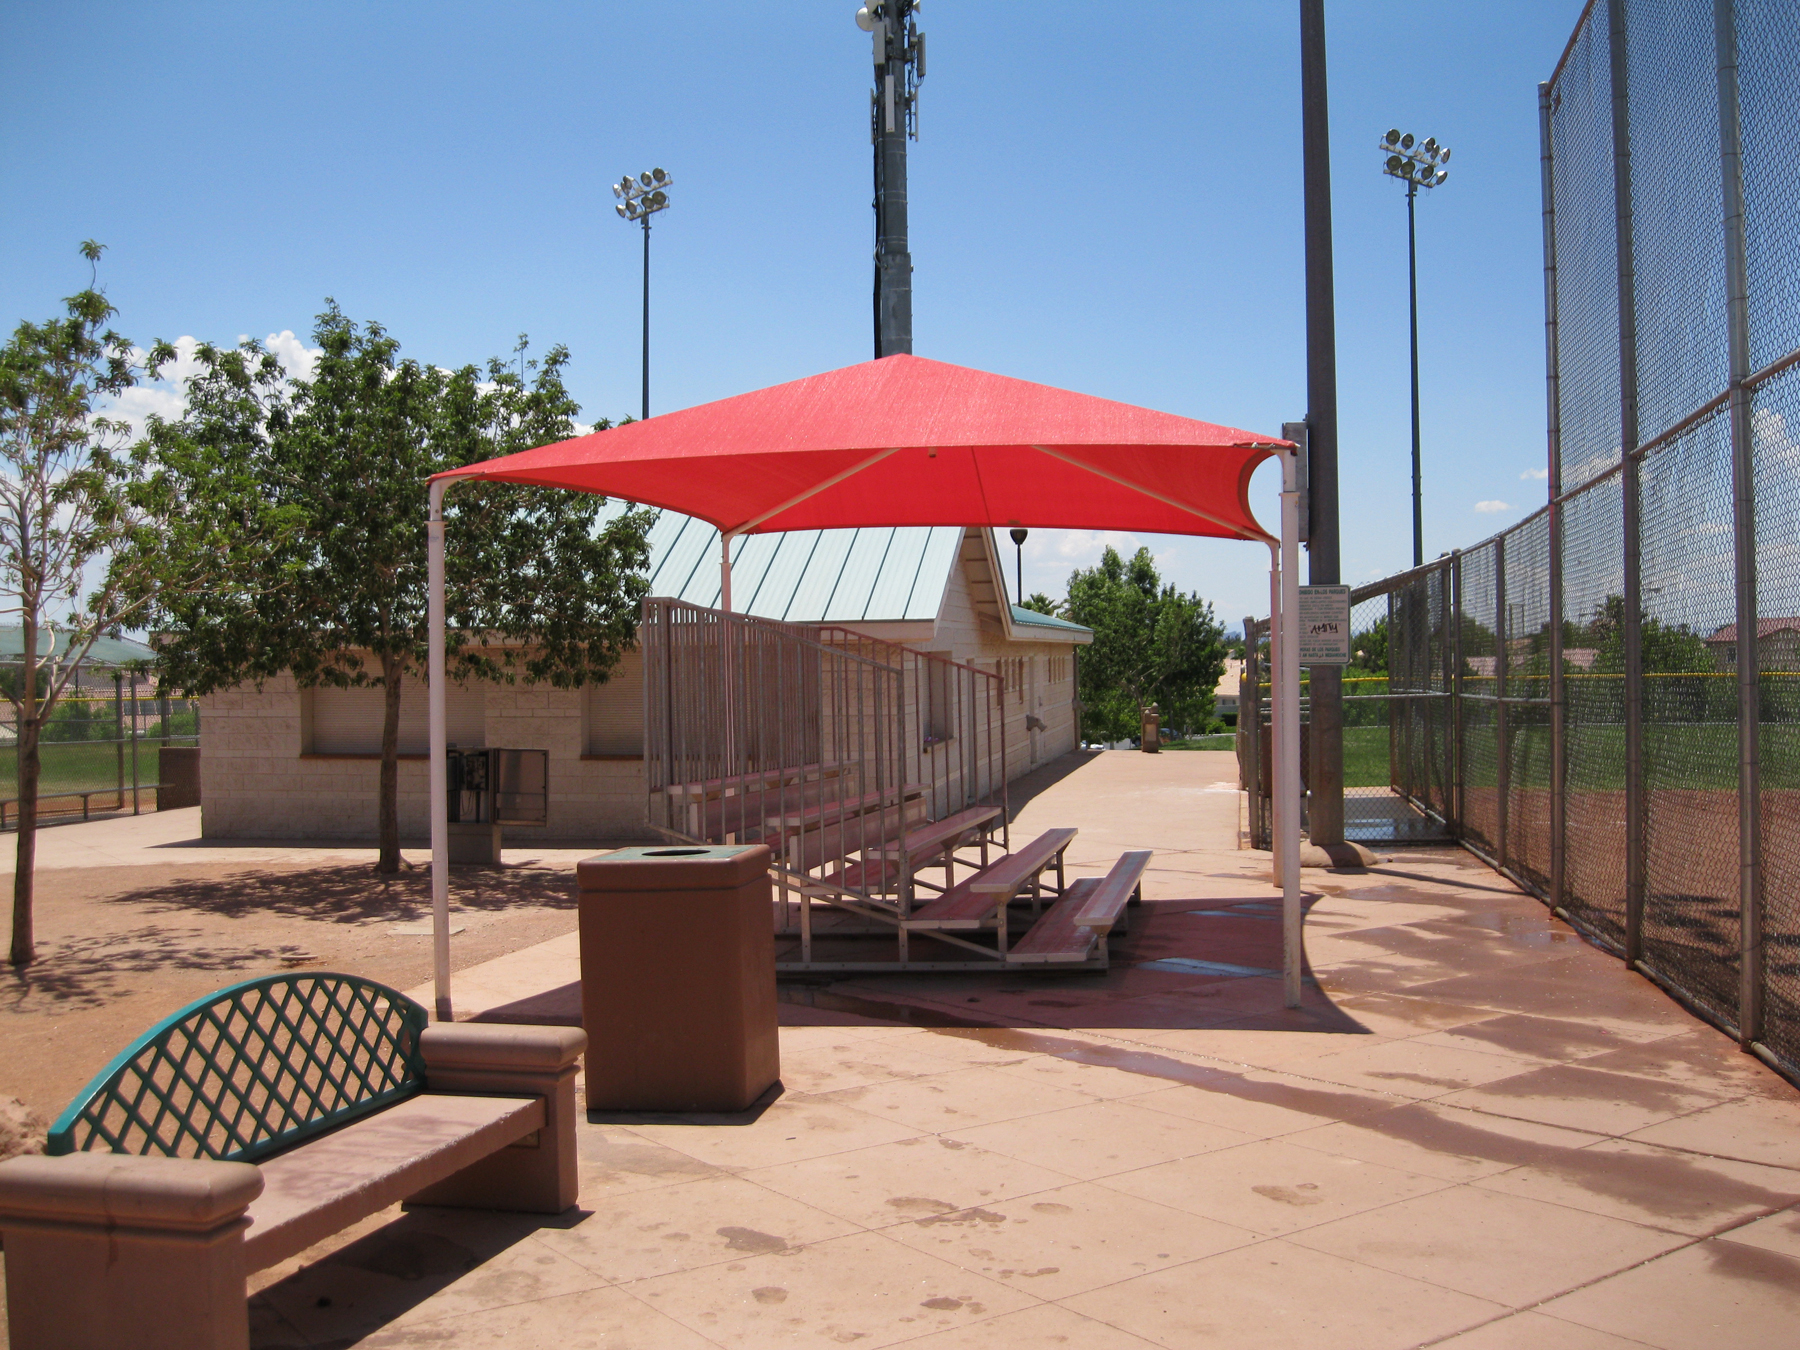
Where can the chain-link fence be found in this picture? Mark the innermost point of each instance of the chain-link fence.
(1604, 700)
(100, 752)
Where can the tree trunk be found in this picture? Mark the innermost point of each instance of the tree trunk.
(24, 946)
(392, 667)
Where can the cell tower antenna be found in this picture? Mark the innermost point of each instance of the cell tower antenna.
(893, 120)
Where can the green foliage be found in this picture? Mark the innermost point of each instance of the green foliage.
(316, 491)
(1152, 644)
(1369, 650)
(1041, 604)
(1667, 648)
(74, 497)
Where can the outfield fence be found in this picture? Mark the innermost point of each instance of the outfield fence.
(1604, 700)
(99, 753)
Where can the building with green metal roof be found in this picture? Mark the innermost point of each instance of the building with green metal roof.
(281, 762)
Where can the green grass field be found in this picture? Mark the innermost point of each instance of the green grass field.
(80, 766)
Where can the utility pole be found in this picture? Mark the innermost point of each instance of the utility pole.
(893, 120)
(1325, 808)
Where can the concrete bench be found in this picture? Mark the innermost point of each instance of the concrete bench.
(252, 1124)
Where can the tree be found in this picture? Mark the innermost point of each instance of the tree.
(1039, 603)
(322, 484)
(71, 496)
(1151, 644)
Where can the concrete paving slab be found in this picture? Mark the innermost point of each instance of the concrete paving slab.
(1474, 1112)
(1505, 1248)
(1713, 1295)
(1279, 1296)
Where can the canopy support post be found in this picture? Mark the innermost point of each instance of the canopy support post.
(440, 757)
(725, 538)
(1285, 597)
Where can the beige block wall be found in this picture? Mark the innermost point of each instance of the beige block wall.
(258, 782)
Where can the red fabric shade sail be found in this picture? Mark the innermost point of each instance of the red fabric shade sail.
(907, 441)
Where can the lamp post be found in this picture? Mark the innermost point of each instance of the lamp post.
(639, 199)
(1019, 536)
(1418, 165)
(893, 120)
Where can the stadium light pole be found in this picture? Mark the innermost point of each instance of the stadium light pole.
(1418, 165)
(1019, 536)
(639, 199)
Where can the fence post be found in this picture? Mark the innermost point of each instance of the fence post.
(135, 805)
(1454, 729)
(1632, 620)
(1743, 519)
(1559, 749)
(1502, 743)
(1447, 717)
(119, 733)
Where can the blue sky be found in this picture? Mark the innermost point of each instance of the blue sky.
(1106, 200)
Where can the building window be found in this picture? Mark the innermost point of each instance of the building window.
(612, 714)
(940, 702)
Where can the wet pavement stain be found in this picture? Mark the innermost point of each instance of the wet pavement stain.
(749, 1240)
(1754, 1265)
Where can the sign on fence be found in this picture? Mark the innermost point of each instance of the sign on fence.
(1324, 625)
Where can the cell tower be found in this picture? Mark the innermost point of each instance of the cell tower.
(893, 120)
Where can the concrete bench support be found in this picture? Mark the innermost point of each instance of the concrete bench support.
(133, 1253)
(108, 1251)
(537, 1175)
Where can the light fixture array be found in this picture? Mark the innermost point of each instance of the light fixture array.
(644, 195)
(1418, 163)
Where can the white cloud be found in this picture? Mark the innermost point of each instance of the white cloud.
(166, 397)
(1539, 474)
(1088, 545)
(1488, 508)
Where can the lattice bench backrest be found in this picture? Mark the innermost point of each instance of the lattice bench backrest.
(251, 1070)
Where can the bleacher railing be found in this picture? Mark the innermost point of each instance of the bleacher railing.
(812, 738)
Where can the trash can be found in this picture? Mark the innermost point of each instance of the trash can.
(678, 978)
(1150, 729)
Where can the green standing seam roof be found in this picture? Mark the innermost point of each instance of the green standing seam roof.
(105, 651)
(1030, 618)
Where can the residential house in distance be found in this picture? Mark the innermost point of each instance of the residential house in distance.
(282, 762)
(1777, 644)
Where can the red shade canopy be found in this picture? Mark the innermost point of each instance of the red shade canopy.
(907, 441)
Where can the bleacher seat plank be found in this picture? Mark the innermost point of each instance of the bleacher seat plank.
(931, 838)
(1056, 937)
(1011, 873)
(959, 907)
(834, 809)
(1109, 895)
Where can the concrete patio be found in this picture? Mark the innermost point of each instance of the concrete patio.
(1480, 1132)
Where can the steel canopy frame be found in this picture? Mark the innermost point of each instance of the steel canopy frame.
(1130, 445)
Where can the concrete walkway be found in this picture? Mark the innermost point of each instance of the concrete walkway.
(1479, 1133)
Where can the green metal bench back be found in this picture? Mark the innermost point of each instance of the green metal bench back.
(251, 1070)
